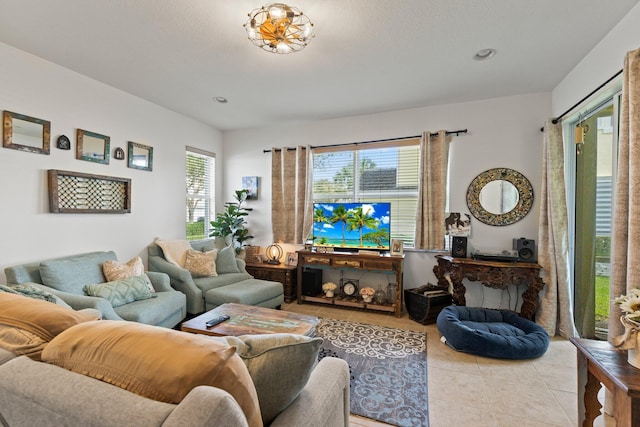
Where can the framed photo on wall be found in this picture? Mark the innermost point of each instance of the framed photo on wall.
(250, 183)
(397, 246)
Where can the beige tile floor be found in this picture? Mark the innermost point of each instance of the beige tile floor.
(467, 390)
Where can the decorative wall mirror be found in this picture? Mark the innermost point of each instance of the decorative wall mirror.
(500, 196)
(140, 156)
(26, 133)
(92, 147)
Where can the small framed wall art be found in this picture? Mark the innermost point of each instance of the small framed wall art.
(140, 156)
(250, 183)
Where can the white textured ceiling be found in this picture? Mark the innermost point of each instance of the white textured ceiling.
(368, 55)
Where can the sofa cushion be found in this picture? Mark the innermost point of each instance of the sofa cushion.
(158, 363)
(226, 261)
(201, 264)
(73, 273)
(121, 292)
(280, 366)
(28, 324)
(175, 251)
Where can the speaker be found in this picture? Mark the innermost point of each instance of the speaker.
(459, 246)
(526, 249)
(311, 282)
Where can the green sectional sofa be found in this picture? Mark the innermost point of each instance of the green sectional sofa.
(66, 277)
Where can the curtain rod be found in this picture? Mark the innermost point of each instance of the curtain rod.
(449, 132)
(557, 119)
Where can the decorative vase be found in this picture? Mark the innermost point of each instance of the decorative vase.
(379, 297)
(633, 357)
(367, 298)
(329, 294)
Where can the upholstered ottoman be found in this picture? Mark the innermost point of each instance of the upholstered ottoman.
(486, 332)
(258, 292)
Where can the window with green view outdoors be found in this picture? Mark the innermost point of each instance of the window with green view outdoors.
(200, 193)
(376, 172)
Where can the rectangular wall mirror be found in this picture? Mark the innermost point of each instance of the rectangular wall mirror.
(140, 156)
(92, 147)
(26, 133)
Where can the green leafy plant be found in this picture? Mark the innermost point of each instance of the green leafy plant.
(231, 223)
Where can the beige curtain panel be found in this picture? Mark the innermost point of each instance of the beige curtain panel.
(625, 239)
(555, 314)
(291, 206)
(432, 196)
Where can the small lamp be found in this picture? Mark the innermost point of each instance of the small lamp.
(274, 253)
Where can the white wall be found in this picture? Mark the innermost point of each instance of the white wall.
(35, 87)
(604, 60)
(503, 132)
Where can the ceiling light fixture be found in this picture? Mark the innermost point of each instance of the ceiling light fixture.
(484, 54)
(279, 28)
(220, 99)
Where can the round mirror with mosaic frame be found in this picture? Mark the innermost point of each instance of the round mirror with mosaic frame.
(500, 196)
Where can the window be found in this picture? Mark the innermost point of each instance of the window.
(376, 172)
(200, 193)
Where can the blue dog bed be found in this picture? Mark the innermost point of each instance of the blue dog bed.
(500, 334)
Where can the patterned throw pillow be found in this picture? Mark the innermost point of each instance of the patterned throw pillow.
(201, 264)
(115, 270)
(121, 292)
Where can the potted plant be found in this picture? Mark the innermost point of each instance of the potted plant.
(231, 224)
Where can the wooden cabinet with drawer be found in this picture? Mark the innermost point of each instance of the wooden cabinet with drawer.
(285, 274)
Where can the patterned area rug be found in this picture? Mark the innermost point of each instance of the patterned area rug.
(388, 370)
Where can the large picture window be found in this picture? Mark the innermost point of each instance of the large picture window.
(375, 172)
(200, 193)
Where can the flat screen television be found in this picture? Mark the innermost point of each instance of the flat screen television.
(352, 226)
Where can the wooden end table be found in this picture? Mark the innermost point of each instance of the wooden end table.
(251, 320)
(285, 274)
(600, 362)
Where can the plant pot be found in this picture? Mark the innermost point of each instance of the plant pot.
(328, 294)
(367, 298)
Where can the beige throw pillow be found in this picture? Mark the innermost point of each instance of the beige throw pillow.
(158, 363)
(201, 264)
(116, 270)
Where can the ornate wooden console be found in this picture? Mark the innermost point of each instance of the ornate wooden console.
(497, 275)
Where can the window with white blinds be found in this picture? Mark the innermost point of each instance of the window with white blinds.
(200, 192)
(374, 172)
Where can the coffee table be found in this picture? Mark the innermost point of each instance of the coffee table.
(251, 320)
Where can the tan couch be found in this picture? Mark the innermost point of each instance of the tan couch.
(36, 393)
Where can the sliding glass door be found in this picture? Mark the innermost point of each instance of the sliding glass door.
(595, 160)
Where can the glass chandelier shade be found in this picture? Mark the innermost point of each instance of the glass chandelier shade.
(279, 28)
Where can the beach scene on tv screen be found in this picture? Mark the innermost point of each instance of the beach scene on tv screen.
(351, 225)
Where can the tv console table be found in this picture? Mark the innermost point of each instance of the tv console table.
(384, 264)
(495, 274)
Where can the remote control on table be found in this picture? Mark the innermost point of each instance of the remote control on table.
(215, 320)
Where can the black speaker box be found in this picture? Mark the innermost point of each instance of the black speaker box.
(459, 247)
(311, 282)
(526, 249)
